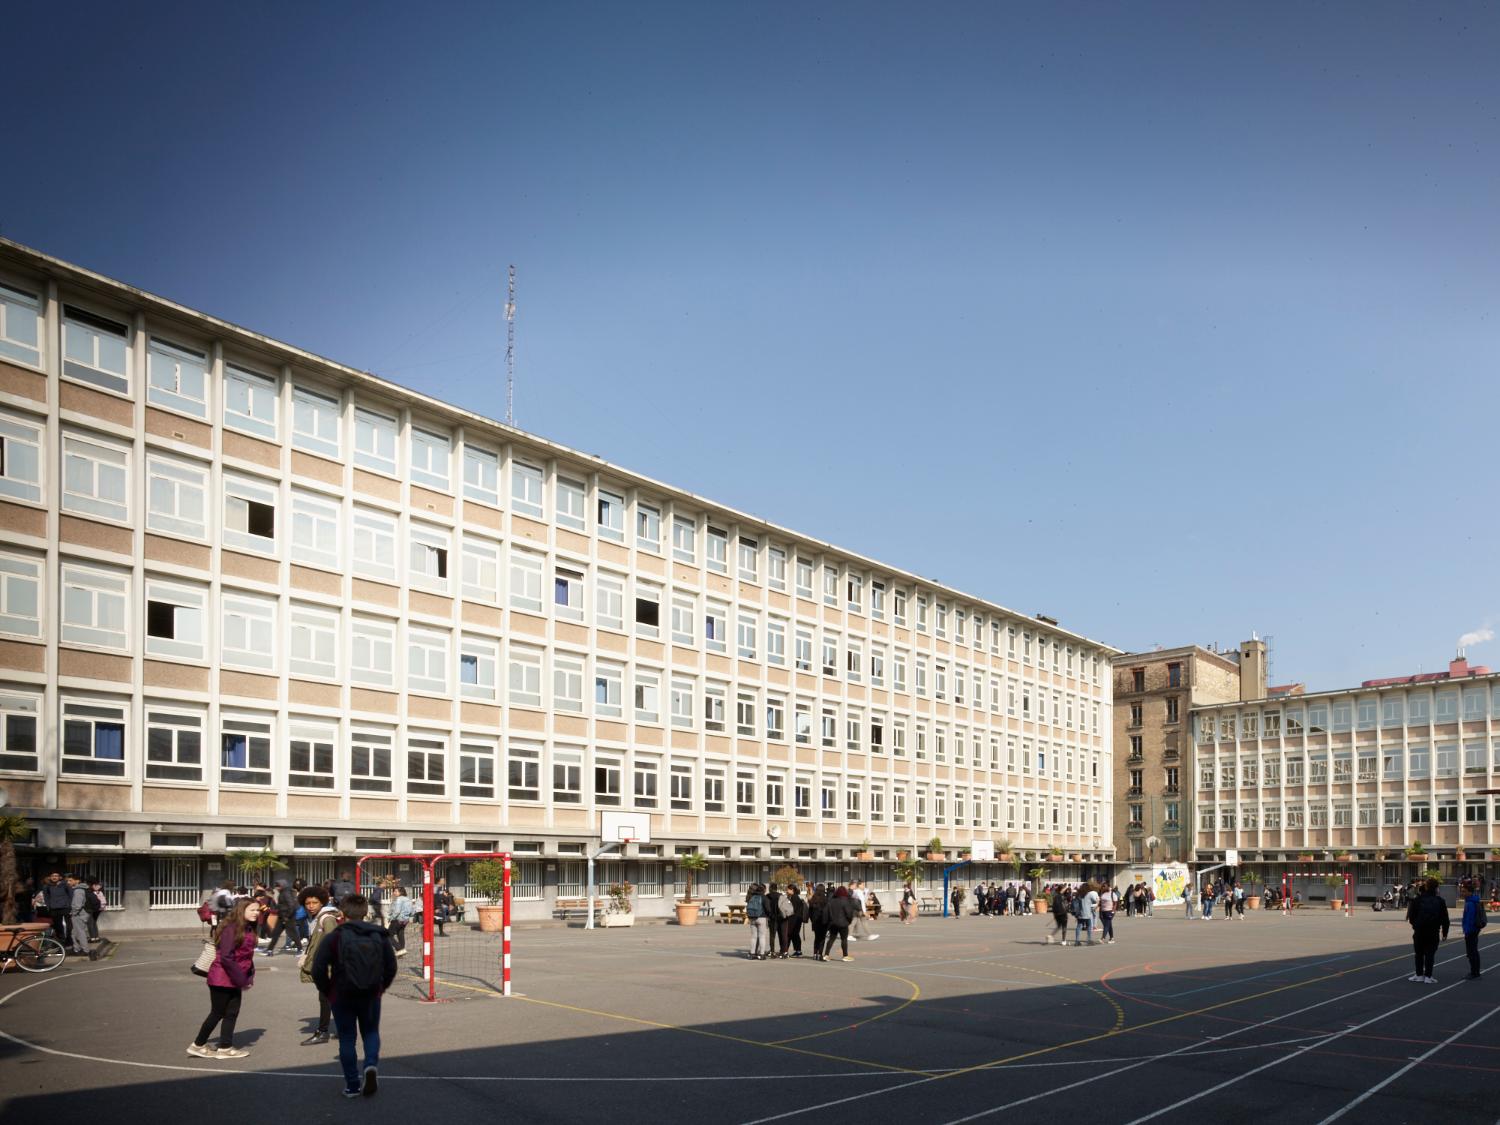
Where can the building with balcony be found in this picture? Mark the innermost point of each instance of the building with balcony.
(253, 598)
(1361, 772)
(1154, 694)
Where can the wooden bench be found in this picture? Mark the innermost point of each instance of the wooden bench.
(570, 907)
(929, 905)
(733, 913)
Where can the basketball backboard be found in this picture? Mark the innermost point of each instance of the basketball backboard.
(617, 827)
(982, 851)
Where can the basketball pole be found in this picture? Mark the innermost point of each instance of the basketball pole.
(589, 902)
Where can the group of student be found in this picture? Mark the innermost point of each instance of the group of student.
(1427, 914)
(72, 905)
(1090, 907)
(778, 916)
(348, 958)
(1012, 899)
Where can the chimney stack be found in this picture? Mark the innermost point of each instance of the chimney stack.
(1458, 666)
(1252, 670)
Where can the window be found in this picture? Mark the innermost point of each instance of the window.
(94, 606)
(567, 683)
(95, 349)
(249, 514)
(315, 530)
(426, 762)
(526, 489)
(646, 778)
(316, 423)
(746, 631)
(1172, 712)
(1447, 707)
(1174, 675)
(854, 662)
(830, 654)
(611, 513)
(174, 745)
(647, 528)
(647, 611)
(570, 503)
(684, 540)
(96, 478)
(1447, 759)
(647, 697)
(431, 455)
(830, 585)
(524, 772)
(776, 641)
(718, 551)
(248, 637)
(525, 581)
(478, 662)
(370, 760)
(684, 613)
(373, 548)
(174, 620)
(250, 402)
(609, 602)
(372, 652)
(609, 682)
(716, 627)
(804, 578)
(744, 714)
(310, 755)
(744, 792)
(20, 458)
(1421, 813)
(803, 652)
(476, 768)
(524, 677)
(607, 770)
(20, 325)
(802, 722)
(244, 750)
(20, 595)
(176, 882)
(375, 441)
(749, 559)
(481, 476)
(776, 719)
(713, 707)
(680, 793)
(877, 666)
(776, 568)
(567, 594)
(683, 695)
(898, 671)
(713, 789)
(481, 571)
(567, 776)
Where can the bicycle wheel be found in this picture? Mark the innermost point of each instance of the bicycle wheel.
(40, 954)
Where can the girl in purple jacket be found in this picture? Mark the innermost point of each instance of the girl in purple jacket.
(233, 971)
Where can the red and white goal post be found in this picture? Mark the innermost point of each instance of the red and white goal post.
(1287, 883)
(482, 963)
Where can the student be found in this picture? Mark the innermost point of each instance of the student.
(774, 917)
(792, 927)
(1085, 906)
(353, 966)
(58, 899)
(760, 925)
(401, 912)
(1427, 914)
(286, 920)
(908, 904)
(78, 916)
(324, 920)
(840, 914)
(1060, 910)
(1474, 921)
(232, 972)
(817, 915)
(1107, 915)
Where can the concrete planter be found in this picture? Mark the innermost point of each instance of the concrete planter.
(609, 921)
(936, 857)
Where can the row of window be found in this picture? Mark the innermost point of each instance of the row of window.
(97, 350)
(1473, 703)
(312, 756)
(1390, 763)
(1366, 814)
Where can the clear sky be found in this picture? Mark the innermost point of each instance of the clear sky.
(1172, 321)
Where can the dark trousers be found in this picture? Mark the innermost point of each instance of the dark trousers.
(398, 935)
(223, 1010)
(794, 933)
(1108, 918)
(820, 935)
(324, 1012)
(840, 932)
(1424, 944)
(60, 925)
(784, 934)
(1471, 947)
(285, 924)
(358, 1014)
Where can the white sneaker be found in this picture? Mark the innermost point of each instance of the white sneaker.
(1416, 979)
(1429, 980)
(207, 1051)
(873, 937)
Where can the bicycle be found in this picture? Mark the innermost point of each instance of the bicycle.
(33, 952)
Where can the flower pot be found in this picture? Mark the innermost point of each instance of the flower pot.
(609, 921)
(1336, 903)
(1003, 857)
(1040, 907)
(1461, 856)
(903, 855)
(687, 913)
(1416, 857)
(1054, 857)
(491, 919)
(936, 857)
(1345, 858)
(864, 857)
(1252, 902)
(1304, 859)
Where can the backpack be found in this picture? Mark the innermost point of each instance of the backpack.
(1080, 904)
(756, 907)
(206, 911)
(784, 907)
(92, 904)
(361, 966)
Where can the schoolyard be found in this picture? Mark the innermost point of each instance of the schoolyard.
(1308, 1019)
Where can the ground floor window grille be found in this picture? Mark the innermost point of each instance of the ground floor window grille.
(648, 880)
(176, 883)
(314, 872)
(526, 879)
(109, 870)
(569, 878)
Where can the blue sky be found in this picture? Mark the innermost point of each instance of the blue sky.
(1173, 321)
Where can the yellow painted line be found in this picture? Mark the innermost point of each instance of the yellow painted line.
(722, 1036)
(1099, 992)
(1163, 1020)
(916, 994)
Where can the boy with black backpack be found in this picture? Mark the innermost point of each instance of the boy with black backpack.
(1427, 914)
(353, 966)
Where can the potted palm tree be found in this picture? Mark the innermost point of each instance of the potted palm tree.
(908, 869)
(1040, 903)
(935, 853)
(693, 865)
(619, 913)
(1002, 851)
(864, 855)
(1334, 883)
(487, 880)
(12, 828)
(1416, 852)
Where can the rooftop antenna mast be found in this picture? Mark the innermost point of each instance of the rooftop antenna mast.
(510, 348)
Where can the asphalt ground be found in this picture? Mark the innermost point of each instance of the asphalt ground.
(1307, 1018)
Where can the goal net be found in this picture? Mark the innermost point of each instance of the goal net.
(456, 945)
